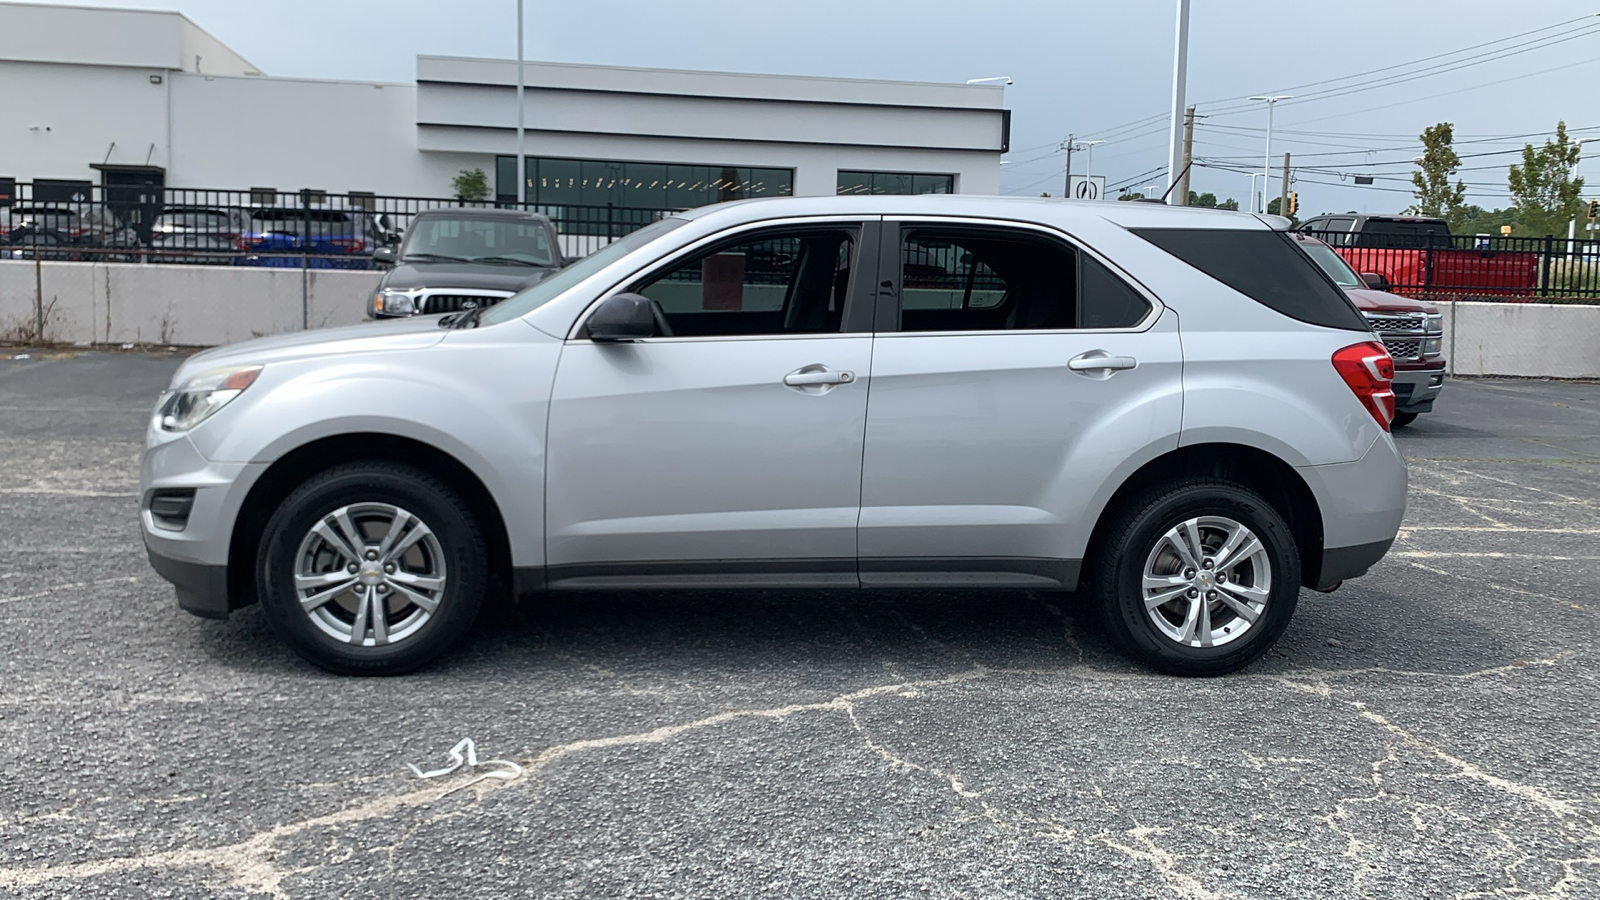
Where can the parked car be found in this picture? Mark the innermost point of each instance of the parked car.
(322, 236)
(1411, 330)
(1173, 411)
(198, 234)
(78, 231)
(1418, 255)
(456, 259)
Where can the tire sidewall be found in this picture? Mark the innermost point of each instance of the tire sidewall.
(411, 490)
(1159, 513)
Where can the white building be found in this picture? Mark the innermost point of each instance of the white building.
(147, 99)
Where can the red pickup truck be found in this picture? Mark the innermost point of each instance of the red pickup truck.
(1417, 256)
(1411, 330)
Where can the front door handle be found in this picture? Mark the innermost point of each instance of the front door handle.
(1099, 360)
(817, 375)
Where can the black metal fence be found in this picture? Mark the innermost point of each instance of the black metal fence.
(1475, 267)
(252, 227)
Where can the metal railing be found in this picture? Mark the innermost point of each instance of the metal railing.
(251, 227)
(1475, 267)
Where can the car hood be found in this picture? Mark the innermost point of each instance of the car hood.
(386, 335)
(1369, 300)
(464, 276)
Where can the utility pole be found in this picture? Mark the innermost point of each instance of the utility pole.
(522, 174)
(1182, 198)
(1180, 71)
(1283, 193)
(1066, 186)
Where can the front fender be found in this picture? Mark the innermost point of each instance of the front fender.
(485, 403)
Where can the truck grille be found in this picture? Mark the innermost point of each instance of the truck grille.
(1396, 323)
(446, 302)
(1403, 348)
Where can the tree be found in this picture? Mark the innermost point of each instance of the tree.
(1435, 195)
(1229, 203)
(1133, 196)
(1272, 210)
(1544, 195)
(1208, 200)
(471, 184)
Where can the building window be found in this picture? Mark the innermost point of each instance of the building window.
(895, 183)
(263, 196)
(636, 185)
(363, 200)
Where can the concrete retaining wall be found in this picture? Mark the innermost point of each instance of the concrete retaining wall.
(117, 303)
(1527, 339)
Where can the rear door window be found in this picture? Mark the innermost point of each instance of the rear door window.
(1265, 266)
(983, 279)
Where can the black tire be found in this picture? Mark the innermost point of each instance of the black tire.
(1402, 419)
(1117, 571)
(461, 548)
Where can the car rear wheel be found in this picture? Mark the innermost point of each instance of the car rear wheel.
(372, 568)
(1198, 577)
(1402, 419)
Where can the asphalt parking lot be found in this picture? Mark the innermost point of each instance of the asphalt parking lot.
(1430, 730)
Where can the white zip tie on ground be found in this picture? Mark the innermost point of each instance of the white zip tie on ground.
(470, 760)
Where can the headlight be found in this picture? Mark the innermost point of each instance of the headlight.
(203, 395)
(393, 303)
(1432, 346)
(1435, 323)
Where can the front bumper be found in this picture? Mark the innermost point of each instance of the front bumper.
(1416, 389)
(195, 557)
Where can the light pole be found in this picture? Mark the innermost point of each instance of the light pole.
(1002, 79)
(1180, 71)
(522, 174)
(1088, 147)
(1266, 164)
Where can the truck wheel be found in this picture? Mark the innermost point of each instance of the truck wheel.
(372, 568)
(1197, 577)
(1401, 419)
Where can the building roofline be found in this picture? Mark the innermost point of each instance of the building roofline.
(88, 7)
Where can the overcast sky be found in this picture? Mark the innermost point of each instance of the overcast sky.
(1080, 67)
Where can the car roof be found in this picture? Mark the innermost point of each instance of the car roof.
(474, 212)
(1041, 210)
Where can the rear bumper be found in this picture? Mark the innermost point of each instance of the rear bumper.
(1362, 503)
(1416, 389)
(1342, 563)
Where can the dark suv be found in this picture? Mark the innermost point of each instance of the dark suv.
(458, 259)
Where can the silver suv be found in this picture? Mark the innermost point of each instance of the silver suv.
(1173, 411)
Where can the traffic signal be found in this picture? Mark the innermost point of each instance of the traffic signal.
(1594, 210)
(1294, 204)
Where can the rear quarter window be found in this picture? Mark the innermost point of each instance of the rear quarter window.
(1265, 266)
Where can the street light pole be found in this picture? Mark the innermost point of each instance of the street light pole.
(1180, 70)
(1266, 164)
(522, 174)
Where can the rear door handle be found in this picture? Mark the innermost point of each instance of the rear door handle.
(1097, 360)
(810, 376)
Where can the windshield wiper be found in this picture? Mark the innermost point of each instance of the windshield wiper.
(465, 319)
(435, 256)
(509, 259)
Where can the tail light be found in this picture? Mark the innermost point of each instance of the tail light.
(349, 245)
(1368, 370)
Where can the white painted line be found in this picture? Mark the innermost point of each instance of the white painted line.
(121, 579)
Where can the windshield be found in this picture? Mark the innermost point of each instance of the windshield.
(196, 219)
(534, 297)
(525, 241)
(322, 222)
(1333, 264)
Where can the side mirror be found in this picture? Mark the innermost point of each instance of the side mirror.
(624, 317)
(383, 256)
(1375, 280)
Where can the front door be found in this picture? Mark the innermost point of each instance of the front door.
(726, 450)
(1020, 372)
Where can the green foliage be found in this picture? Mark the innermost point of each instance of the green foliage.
(1436, 196)
(1477, 220)
(1544, 194)
(1209, 200)
(1133, 196)
(471, 184)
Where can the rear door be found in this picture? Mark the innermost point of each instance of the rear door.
(1016, 373)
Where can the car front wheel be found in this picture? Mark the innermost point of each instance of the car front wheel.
(1198, 577)
(372, 568)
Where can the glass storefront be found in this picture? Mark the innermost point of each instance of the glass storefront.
(638, 185)
(894, 183)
